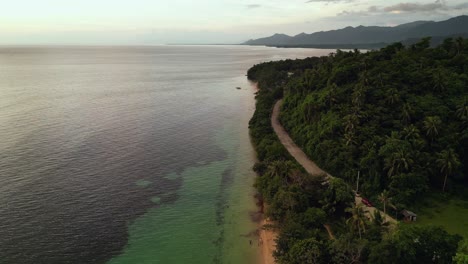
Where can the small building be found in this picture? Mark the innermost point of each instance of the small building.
(409, 216)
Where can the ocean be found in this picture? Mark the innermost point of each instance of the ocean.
(128, 154)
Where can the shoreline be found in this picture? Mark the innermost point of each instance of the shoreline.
(266, 237)
(267, 242)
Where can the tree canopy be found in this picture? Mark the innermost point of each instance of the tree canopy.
(397, 116)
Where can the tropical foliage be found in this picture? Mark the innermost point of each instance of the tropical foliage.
(398, 116)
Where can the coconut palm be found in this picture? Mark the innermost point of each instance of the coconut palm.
(393, 96)
(350, 139)
(310, 111)
(351, 122)
(297, 177)
(448, 162)
(410, 132)
(358, 220)
(308, 78)
(365, 77)
(439, 81)
(431, 125)
(279, 168)
(459, 44)
(399, 160)
(332, 94)
(384, 198)
(462, 110)
(357, 98)
(288, 199)
(406, 113)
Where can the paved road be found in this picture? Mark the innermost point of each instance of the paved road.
(302, 158)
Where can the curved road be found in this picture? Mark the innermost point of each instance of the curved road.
(289, 144)
(302, 158)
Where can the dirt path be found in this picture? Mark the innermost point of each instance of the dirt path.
(302, 158)
(329, 231)
(289, 144)
(371, 211)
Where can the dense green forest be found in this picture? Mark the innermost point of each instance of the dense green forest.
(398, 116)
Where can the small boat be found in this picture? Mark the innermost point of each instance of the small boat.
(238, 88)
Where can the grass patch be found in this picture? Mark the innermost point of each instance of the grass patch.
(444, 210)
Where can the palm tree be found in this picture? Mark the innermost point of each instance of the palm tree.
(384, 198)
(350, 139)
(358, 220)
(279, 168)
(462, 110)
(358, 95)
(432, 124)
(448, 162)
(287, 199)
(381, 81)
(332, 97)
(310, 111)
(410, 132)
(401, 159)
(392, 96)
(459, 44)
(297, 177)
(406, 113)
(439, 81)
(308, 78)
(365, 76)
(351, 122)
(448, 45)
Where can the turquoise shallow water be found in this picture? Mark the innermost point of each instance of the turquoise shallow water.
(128, 154)
(189, 222)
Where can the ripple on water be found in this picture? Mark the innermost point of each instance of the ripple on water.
(101, 145)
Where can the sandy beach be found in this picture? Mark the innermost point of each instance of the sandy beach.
(267, 243)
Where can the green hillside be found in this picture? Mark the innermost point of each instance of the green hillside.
(398, 116)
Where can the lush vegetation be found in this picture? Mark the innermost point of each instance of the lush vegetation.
(399, 116)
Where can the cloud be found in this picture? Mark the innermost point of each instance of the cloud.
(373, 9)
(416, 7)
(408, 7)
(253, 6)
(327, 1)
(353, 13)
(461, 6)
(360, 13)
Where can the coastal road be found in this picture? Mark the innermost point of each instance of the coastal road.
(302, 158)
(289, 144)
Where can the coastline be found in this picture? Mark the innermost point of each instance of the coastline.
(305, 205)
(267, 242)
(266, 237)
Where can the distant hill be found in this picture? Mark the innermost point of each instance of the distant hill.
(371, 36)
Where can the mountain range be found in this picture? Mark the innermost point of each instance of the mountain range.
(370, 36)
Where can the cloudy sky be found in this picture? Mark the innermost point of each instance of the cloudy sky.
(149, 22)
